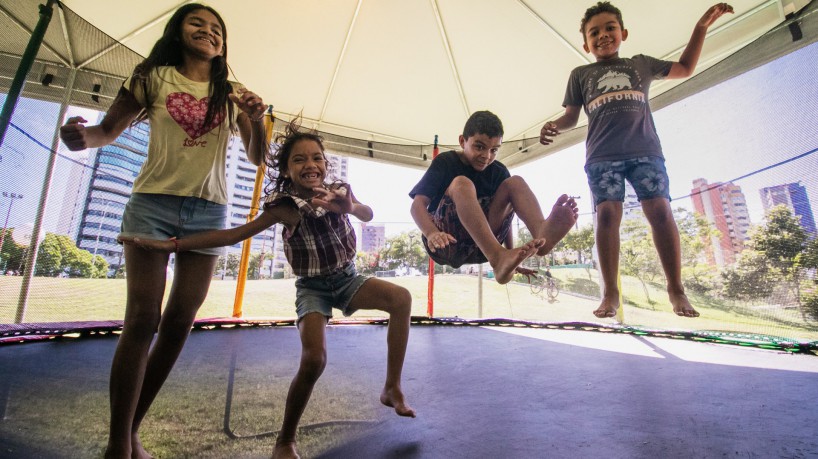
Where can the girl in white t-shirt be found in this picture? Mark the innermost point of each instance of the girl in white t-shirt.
(183, 91)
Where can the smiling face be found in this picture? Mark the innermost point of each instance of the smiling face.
(202, 34)
(603, 35)
(306, 167)
(479, 150)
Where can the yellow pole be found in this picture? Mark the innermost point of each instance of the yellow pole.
(245, 248)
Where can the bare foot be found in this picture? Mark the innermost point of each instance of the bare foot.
(563, 216)
(507, 261)
(681, 305)
(608, 307)
(285, 450)
(393, 398)
(137, 450)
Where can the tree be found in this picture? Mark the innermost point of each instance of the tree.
(403, 250)
(749, 279)
(231, 268)
(782, 240)
(637, 255)
(580, 241)
(50, 256)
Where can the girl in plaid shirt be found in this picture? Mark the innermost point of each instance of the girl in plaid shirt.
(319, 243)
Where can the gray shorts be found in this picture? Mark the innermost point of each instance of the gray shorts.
(647, 175)
(163, 216)
(322, 293)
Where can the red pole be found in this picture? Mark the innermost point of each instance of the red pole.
(430, 305)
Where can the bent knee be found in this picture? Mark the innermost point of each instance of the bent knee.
(402, 301)
(461, 184)
(313, 363)
(514, 182)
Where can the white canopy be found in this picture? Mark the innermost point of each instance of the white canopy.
(403, 71)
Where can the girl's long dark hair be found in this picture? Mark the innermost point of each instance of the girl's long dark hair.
(168, 51)
(284, 143)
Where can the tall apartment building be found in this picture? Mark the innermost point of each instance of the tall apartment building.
(794, 196)
(110, 182)
(725, 207)
(373, 237)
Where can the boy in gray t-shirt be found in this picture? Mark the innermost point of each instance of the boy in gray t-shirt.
(622, 143)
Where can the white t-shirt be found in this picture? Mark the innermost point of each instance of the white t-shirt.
(185, 158)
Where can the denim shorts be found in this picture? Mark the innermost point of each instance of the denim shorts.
(322, 293)
(646, 174)
(163, 216)
(465, 250)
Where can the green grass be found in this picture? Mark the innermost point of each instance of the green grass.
(59, 300)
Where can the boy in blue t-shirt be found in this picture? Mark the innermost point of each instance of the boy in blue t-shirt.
(465, 202)
(622, 143)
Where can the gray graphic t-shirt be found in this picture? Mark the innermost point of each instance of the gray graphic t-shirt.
(615, 97)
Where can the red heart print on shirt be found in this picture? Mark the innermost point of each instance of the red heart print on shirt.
(189, 113)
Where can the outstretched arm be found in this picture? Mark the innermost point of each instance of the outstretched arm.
(568, 120)
(283, 213)
(435, 238)
(690, 56)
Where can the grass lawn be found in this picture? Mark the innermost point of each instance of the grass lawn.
(59, 300)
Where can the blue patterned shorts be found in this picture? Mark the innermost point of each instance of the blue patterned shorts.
(647, 175)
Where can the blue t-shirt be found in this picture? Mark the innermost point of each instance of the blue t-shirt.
(614, 94)
(446, 166)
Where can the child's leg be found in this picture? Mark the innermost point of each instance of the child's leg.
(502, 260)
(146, 287)
(515, 195)
(397, 301)
(312, 329)
(609, 216)
(666, 238)
(191, 282)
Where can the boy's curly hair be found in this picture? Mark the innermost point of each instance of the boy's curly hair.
(600, 7)
(280, 155)
(483, 122)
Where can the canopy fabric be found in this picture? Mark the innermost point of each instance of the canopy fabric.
(384, 77)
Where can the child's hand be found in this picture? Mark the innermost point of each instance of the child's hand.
(250, 103)
(714, 13)
(439, 240)
(168, 245)
(337, 198)
(549, 129)
(72, 133)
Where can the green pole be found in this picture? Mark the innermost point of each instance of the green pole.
(25, 65)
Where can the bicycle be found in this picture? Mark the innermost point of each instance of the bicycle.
(547, 284)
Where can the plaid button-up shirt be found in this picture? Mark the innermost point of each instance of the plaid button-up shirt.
(322, 243)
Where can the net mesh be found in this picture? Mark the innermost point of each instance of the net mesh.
(749, 266)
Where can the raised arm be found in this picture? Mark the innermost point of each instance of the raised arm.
(251, 125)
(568, 120)
(690, 56)
(122, 112)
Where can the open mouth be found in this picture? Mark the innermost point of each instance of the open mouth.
(206, 39)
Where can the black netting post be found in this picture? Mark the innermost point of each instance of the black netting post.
(25, 65)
